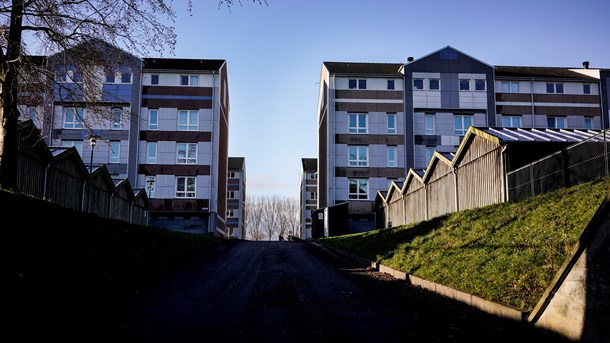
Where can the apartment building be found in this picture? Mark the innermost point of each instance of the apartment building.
(236, 198)
(160, 123)
(308, 195)
(378, 120)
(361, 137)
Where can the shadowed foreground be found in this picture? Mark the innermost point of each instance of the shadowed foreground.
(271, 292)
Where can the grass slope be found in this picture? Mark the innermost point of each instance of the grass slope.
(507, 253)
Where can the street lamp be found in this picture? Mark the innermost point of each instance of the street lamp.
(92, 141)
(150, 184)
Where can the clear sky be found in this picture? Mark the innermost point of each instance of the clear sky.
(274, 55)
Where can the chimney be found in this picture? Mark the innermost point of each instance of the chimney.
(409, 59)
(585, 64)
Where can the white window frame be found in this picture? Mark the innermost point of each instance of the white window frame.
(75, 123)
(556, 121)
(391, 129)
(430, 84)
(392, 156)
(116, 118)
(114, 148)
(231, 175)
(188, 126)
(484, 85)
(188, 153)
(231, 213)
(74, 143)
(358, 129)
(509, 87)
(191, 80)
(462, 82)
(429, 124)
(186, 192)
(126, 73)
(357, 161)
(461, 131)
(151, 159)
(231, 195)
(422, 84)
(554, 88)
(358, 195)
(153, 125)
(511, 121)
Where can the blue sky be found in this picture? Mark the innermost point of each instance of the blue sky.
(274, 55)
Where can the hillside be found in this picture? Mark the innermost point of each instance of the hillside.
(507, 253)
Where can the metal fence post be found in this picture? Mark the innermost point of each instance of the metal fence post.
(605, 152)
(532, 178)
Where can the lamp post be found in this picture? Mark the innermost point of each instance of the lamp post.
(92, 141)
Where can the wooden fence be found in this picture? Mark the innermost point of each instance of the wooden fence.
(59, 175)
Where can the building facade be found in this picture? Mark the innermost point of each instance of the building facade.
(308, 195)
(376, 121)
(236, 198)
(160, 123)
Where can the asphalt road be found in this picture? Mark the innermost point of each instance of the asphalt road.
(290, 291)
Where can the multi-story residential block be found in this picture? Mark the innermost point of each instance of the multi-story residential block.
(308, 195)
(361, 137)
(376, 120)
(160, 123)
(236, 198)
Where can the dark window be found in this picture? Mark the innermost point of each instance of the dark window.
(479, 85)
(586, 89)
(390, 84)
(418, 84)
(352, 84)
(154, 79)
(550, 88)
(559, 88)
(361, 84)
(435, 84)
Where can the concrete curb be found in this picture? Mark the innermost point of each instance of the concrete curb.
(467, 298)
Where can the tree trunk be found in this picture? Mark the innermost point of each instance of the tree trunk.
(9, 113)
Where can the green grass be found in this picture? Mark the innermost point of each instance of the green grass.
(507, 253)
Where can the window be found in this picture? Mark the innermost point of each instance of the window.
(115, 152)
(391, 84)
(418, 84)
(429, 153)
(435, 84)
(511, 121)
(116, 119)
(586, 88)
(125, 77)
(392, 161)
(354, 83)
(461, 124)
(153, 119)
(189, 80)
(358, 189)
(186, 153)
(464, 85)
(391, 123)
(314, 196)
(430, 130)
(77, 144)
(150, 185)
(357, 123)
(556, 122)
(73, 118)
(231, 195)
(231, 213)
(154, 79)
(110, 77)
(151, 152)
(188, 120)
(554, 87)
(231, 175)
(479, 85)
(588, 123)
(31, 113)
(185, 186)
(510, 87)
(357, 156)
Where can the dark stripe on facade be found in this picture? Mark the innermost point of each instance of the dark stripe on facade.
(368, 107)
(171, 169)
(177, 103)
(368, 94)
(549, 110)
(555, 98)
(179, 205)
(341, 138)
(369, 172)
(177, 136)
(181, 91)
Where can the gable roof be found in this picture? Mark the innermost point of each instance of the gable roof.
(448, 49)
(360, 68)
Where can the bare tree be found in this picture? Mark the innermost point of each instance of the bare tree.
(287, 212)
(254, 218)
(74, 28)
